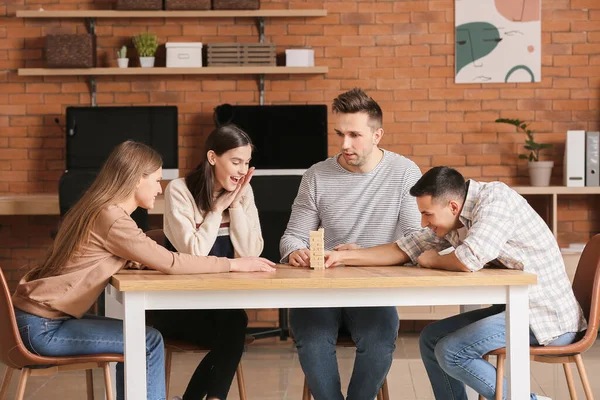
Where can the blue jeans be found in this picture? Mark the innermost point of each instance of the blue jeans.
(92, 335)
(374, 330)
(452, 350)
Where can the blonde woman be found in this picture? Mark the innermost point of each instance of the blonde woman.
(211, 212)
(97, 239)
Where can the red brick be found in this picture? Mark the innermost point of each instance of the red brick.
(451, 161)
(488, 159)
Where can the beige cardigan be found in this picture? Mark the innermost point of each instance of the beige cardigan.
(193, 232)
(115, 239)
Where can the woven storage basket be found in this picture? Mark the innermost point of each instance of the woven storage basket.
(224, 54)
(139, 4)
(70, 51)
(236, 4)
(187, 4)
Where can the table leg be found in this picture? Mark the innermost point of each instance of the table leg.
(134, 333)
(517, 343)
(113, 309)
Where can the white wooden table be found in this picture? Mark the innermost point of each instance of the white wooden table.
(131, 293)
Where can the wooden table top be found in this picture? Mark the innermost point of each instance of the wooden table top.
(287, 277)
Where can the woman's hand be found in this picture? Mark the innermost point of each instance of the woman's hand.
(223, 202)
(251, 264)
(244, 182)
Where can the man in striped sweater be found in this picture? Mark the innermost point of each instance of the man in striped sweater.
(361, 198)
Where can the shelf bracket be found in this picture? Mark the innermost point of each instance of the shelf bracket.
(261, 89)
(261, 29)
(91, 25)
(92, 84)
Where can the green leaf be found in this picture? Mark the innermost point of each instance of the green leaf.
(522, 156)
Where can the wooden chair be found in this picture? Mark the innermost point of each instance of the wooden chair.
(15, 355)
(586, 286)
(346, 341)
(180, 346)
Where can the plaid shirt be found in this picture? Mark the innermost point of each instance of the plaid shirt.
(503, 230)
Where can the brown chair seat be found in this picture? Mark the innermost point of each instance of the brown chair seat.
(15, 355)
(586, 286)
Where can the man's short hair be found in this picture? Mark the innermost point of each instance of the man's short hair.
(356, 101)
(441, 183)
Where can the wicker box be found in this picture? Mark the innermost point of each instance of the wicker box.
(70, 51)
(139, 4)
(231, 54)
(236, 4)
(187, 4)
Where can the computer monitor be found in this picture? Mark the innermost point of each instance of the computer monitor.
(92, 133)
(288, 139)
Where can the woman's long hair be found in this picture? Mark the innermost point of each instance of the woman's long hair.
(200, 182)
(117, 181)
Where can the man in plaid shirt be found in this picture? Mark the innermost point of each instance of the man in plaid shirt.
(487, 224)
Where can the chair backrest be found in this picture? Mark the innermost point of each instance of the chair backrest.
(586, 286)
(12, 351)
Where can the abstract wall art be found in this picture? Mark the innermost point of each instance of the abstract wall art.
(498, 41)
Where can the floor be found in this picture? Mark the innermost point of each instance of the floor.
(272, 372)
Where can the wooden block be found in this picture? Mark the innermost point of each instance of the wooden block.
(317, 249)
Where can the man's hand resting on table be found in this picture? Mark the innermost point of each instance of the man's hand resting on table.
(300, 258)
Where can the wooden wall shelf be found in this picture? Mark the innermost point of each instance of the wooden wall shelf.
(253, 70)
(554, 192)
(170, 14)
(91, 15)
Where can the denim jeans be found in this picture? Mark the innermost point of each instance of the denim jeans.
(452, 351)
(92, 335)
(374, 330)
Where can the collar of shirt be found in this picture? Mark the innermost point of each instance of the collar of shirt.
(466, 215)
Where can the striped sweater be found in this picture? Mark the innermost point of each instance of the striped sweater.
(369, 209)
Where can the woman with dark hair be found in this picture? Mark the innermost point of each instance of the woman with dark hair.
(212, 212)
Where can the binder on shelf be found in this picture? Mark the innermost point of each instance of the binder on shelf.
(592, 159)
(574, 162)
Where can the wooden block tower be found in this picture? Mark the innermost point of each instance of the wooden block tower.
(317, 249)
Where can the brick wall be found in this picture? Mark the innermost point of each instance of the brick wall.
(401, 52)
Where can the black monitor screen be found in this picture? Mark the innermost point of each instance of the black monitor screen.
(92, 132)
(284, 136)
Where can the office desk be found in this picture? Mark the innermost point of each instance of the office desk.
(132, 292)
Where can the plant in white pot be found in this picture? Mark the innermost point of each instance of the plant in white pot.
(146, 45)
(122, 60)
(539, 171)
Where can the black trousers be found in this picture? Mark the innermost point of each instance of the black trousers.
(223, 331)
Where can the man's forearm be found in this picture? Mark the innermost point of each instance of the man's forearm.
(449, 262)
(386, 254)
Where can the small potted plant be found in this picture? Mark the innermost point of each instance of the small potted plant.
(146, 45)
(539, 171)
(122, 59)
